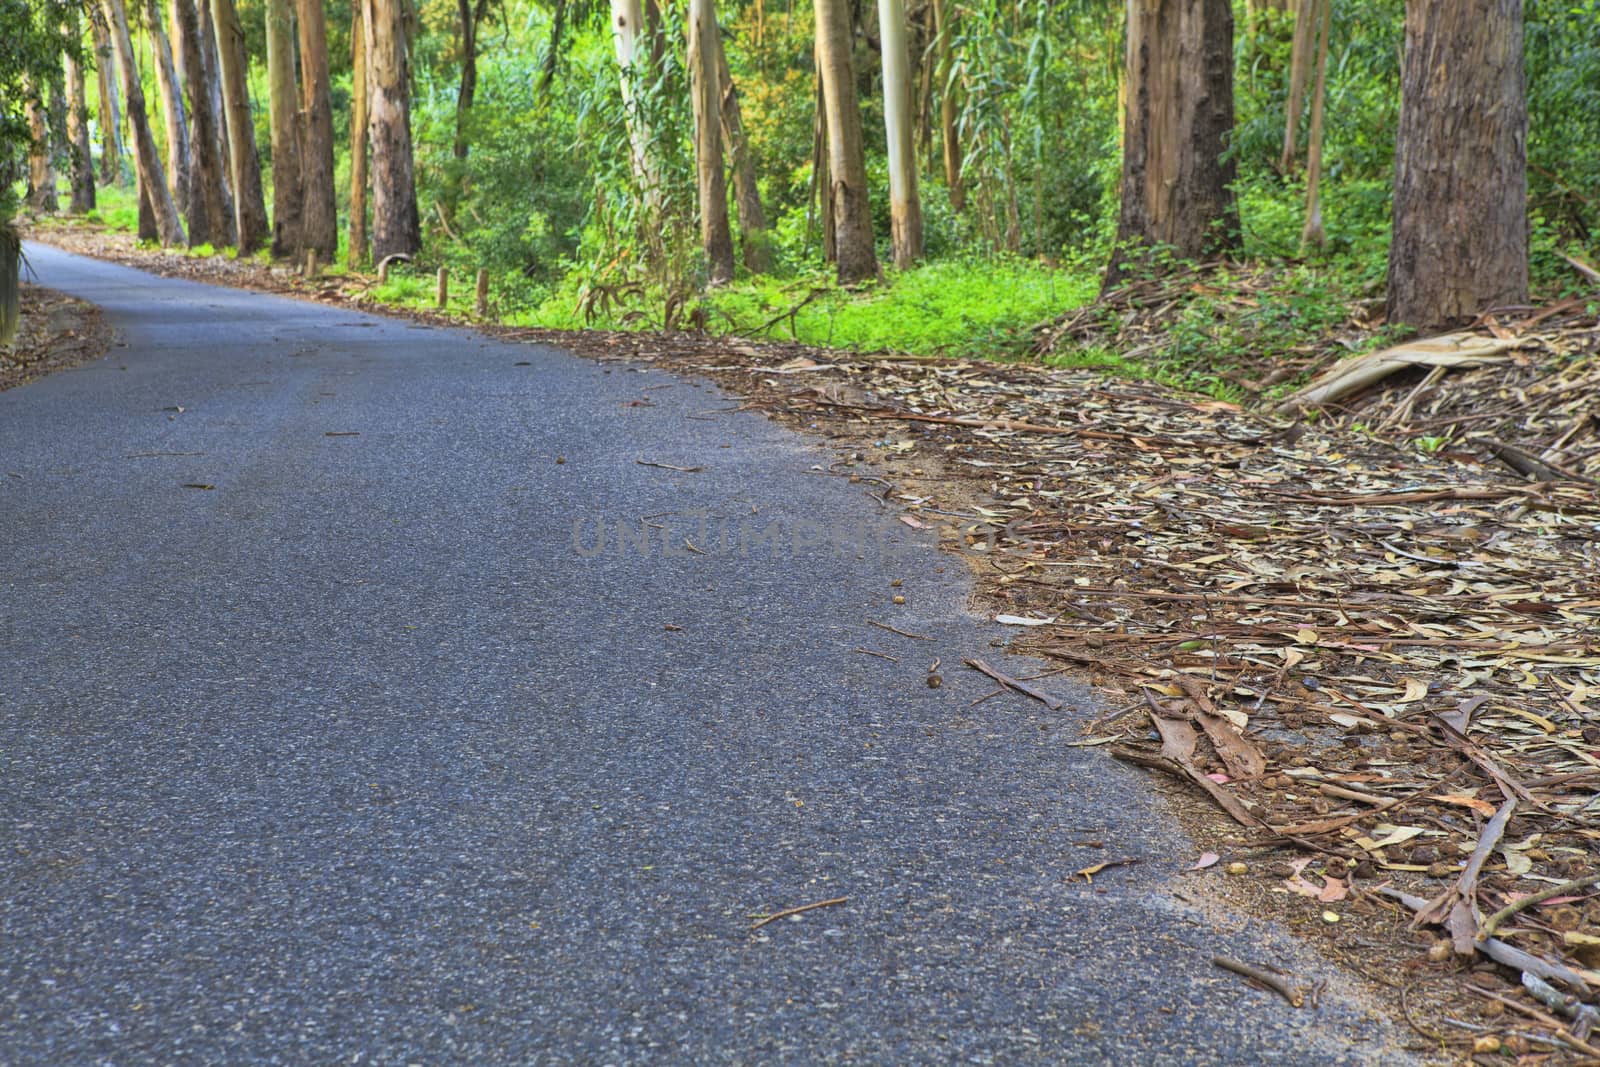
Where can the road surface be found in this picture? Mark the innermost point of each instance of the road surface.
(376, 750)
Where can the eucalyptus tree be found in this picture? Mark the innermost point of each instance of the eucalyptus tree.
(319, 217)
(210, 219)
(147, 158)
(1460, 231)
(1177, 173)
(710, 180)
(172, 111)
(283, 105)
(396, 228)
(847, 165)
(905, 208)
(249, 206)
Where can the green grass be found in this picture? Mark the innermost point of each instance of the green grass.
(969, 307)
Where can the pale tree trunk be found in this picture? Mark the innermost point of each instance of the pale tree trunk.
(1460, 243)
(43, 199)
(753, 236)
(172, 112)
(632, 41)
(396, 229)
(846, 161)
(1313, 235)
(147, 159)
(905, 207)
(210, 220)
(283, 101)
(1176, 179)
(358, 136)
(1305, 21)
(80, 169)
(319, 217)
(110, 111)
(944, 26)
(249, 206)
(711, 182)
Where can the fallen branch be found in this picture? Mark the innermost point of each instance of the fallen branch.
(1492, 923)
(786, 912)
(1503, 953)
(1295, 998)
(1456, 909)
(1011, 683)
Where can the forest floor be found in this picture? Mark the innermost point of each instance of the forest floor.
(56, 332)
(1360, 643)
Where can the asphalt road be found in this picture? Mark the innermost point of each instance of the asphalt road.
(359, 755)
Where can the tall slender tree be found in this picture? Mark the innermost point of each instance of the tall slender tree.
(631, 39)
(167, 226)
(1460, 241)
(1177, 175)
(754, 241)
(358, 135)
(43, 197)
(847, 164)
(949, 139)
(396, 228)
(1313, 235)
(110, 109)
(470, 14)
(319, 218)
(249, 206)
(710, 179)
(905, 207)
(172, 110)
(283, 104)
(80, 159)
(210, 220)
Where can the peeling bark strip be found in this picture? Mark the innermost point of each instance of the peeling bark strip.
(1461, 181)
(1176, 180)
(846, 161)
(396, 229)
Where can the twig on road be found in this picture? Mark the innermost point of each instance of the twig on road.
(1271, 981)
(1011, 683)
(902, 633)
(786, 912)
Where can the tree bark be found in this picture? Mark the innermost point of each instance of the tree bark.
(632, 41)
(147, 229)
(396, 229)
(944, 26)
(319, 215)
(249, 207)
(283, 101)
(1305, 19)
(147, 159)
(470, 15)
(43, 198)
(905, 207)
(210, 221)
(1460, 242)
(821, 181)
(846, 160)
(1176, 181)
(172, 112)
(110, 111)
(755, 242)
(1313, 235)
(705, 89)
(358, 136)
(80, 159)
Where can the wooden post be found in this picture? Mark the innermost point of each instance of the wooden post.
(311, 263)
(444, 288)
(482, 305)
(383, 271)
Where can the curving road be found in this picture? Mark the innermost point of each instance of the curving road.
(359, 756)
